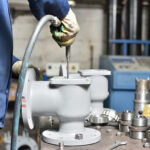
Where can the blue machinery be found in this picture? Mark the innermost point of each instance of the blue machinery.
(125, 69)
(122, 81)
(125, 44)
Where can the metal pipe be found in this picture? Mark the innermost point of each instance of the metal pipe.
(145, 22)
(22, 75)
(112, 25)
(134, 25)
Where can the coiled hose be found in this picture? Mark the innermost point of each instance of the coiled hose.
(54, 21)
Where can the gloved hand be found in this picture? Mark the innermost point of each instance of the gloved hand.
(65, 34)
(16, 68)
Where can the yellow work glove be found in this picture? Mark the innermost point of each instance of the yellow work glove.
(17, 67)
(66, 33)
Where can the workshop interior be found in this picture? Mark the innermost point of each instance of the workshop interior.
(90, 94)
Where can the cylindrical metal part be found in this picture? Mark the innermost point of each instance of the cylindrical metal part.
(137, 135)
(127, 116)
(142, 95)
(142, 85)
(125, 121)
(139, 127)
(139, 121)
(98, 119)
(124, 128)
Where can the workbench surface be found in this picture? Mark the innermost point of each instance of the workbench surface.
(108, 139)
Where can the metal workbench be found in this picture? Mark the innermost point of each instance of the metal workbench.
(108, 138)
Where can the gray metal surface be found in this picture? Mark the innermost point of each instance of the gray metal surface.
(124, 128)
(126, 115)
(98, 119)
(137, 135)
(139, 121)
(108, 138)
(139, 127)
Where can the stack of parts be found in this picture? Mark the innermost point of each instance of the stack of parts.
(138, 127)
(125, 121)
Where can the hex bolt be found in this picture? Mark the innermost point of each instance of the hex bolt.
(79, 136)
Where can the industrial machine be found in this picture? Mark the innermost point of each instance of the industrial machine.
(66, 96)
(124, 71)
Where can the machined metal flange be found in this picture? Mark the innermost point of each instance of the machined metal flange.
(139, 121)
(98, 119)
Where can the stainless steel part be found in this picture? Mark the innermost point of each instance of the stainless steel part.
(146, 145)
(139, 121)
(142, 95)
(148, 134)
(68, 55)
(126, 115)
(98, 119)
(137, 135)
(125, 121)
(118, 143)
(111, 114)
(124, 128)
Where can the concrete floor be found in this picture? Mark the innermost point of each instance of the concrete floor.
(107, 140)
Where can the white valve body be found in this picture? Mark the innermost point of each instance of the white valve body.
(68, 99)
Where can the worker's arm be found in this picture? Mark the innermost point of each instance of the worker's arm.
(16, 67)
(58, 8)
(62, 10)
